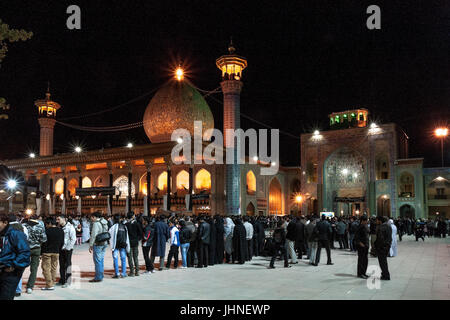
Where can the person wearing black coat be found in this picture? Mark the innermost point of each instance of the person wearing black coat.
(239, 242)
(279, 246)
(135, 235)
(300, 240)
(147, 243)
(362, 246)
(324, 229)
(203, 238)
(212, 242)
(220, 242)
(261, 236)
(383, 245)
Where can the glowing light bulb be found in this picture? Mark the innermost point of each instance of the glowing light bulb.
(32, 155)
(179, 140)
(345, 171)
(316, 132)
(129, 145)
(179, 74)
(78, 149)
(11, 184)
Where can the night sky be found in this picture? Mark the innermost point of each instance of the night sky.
(306, 59)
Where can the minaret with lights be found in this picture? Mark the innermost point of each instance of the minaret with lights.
(231, 66)
(47, 119)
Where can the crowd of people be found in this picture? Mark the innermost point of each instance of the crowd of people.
(202, 241)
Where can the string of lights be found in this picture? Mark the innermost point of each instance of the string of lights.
(113, 108)
(103, 129)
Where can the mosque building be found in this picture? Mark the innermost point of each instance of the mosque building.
(143, 178)
(355, 168)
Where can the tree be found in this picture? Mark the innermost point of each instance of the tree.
(8, 36)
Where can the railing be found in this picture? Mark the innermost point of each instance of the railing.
(440, 197)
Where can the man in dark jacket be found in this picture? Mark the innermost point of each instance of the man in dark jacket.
(362, 246)
(279, 246)
(147, 243)
(261, 235)
(159, 242)
(50, 252)
(203, 238)
(134, 234)
(324, 229)
(300, 240)
(383, 245)
(291, 237)
(373, 236)
(14, 258)
(193, 242)
(220, 245)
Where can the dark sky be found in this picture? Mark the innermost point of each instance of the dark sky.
(305, 60)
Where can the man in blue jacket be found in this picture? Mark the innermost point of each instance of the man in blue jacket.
(14, 258)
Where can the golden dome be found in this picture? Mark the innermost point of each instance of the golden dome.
(175, 106)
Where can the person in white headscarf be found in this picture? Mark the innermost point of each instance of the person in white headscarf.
(86, 230)
(228, 237)
(393, 250)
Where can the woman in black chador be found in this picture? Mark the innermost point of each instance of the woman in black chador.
(220, 245)
(212, 242)
(239, 242)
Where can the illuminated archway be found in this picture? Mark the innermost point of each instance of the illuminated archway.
(251, 183)
(143, 188)
(183, 180)
(250, 209)
(162, 181)
(86, 183)
(100, 182)
(203, 180)
(73, 184)
(275, 197)
(59, 186)
(121, 185)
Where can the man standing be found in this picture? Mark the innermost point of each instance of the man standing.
(312, 237)
(36, 236)
(249, 237)
(50, 252)
(324, 229)
(352, 227)
(174, 245)
(362, 246)
(279, 239)
(134, 234)
(159, 245)
(383, 245)
(203, 238)
(147, 243)
(65, 256)
(340, 231)
(300, 240)
(239, 242)
(291, 237)
(14, 258)
(99, 226)
(373, 236)
(120, 246)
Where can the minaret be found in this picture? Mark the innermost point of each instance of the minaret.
(47, 119)
(231, 66)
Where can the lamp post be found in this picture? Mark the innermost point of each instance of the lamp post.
(441, 133)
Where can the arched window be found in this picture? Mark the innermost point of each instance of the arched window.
(162, 181)
(143, 184)
(121, 185)
(86, 183)
(406, 185)
(59, 186)
(250, 209)
(203, 180)
(382, 167)
(100, 182)
(73, 184)
(275, 197)
(251, 183)
(183, 180)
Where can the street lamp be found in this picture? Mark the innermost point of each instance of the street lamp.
(441, 133)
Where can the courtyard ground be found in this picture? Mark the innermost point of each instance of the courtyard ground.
(420, 271)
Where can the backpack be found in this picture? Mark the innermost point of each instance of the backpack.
(104, 236)
(121, 238)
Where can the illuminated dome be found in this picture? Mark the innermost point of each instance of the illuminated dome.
(175, 106)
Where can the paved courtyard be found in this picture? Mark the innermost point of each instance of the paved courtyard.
(420, 271)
